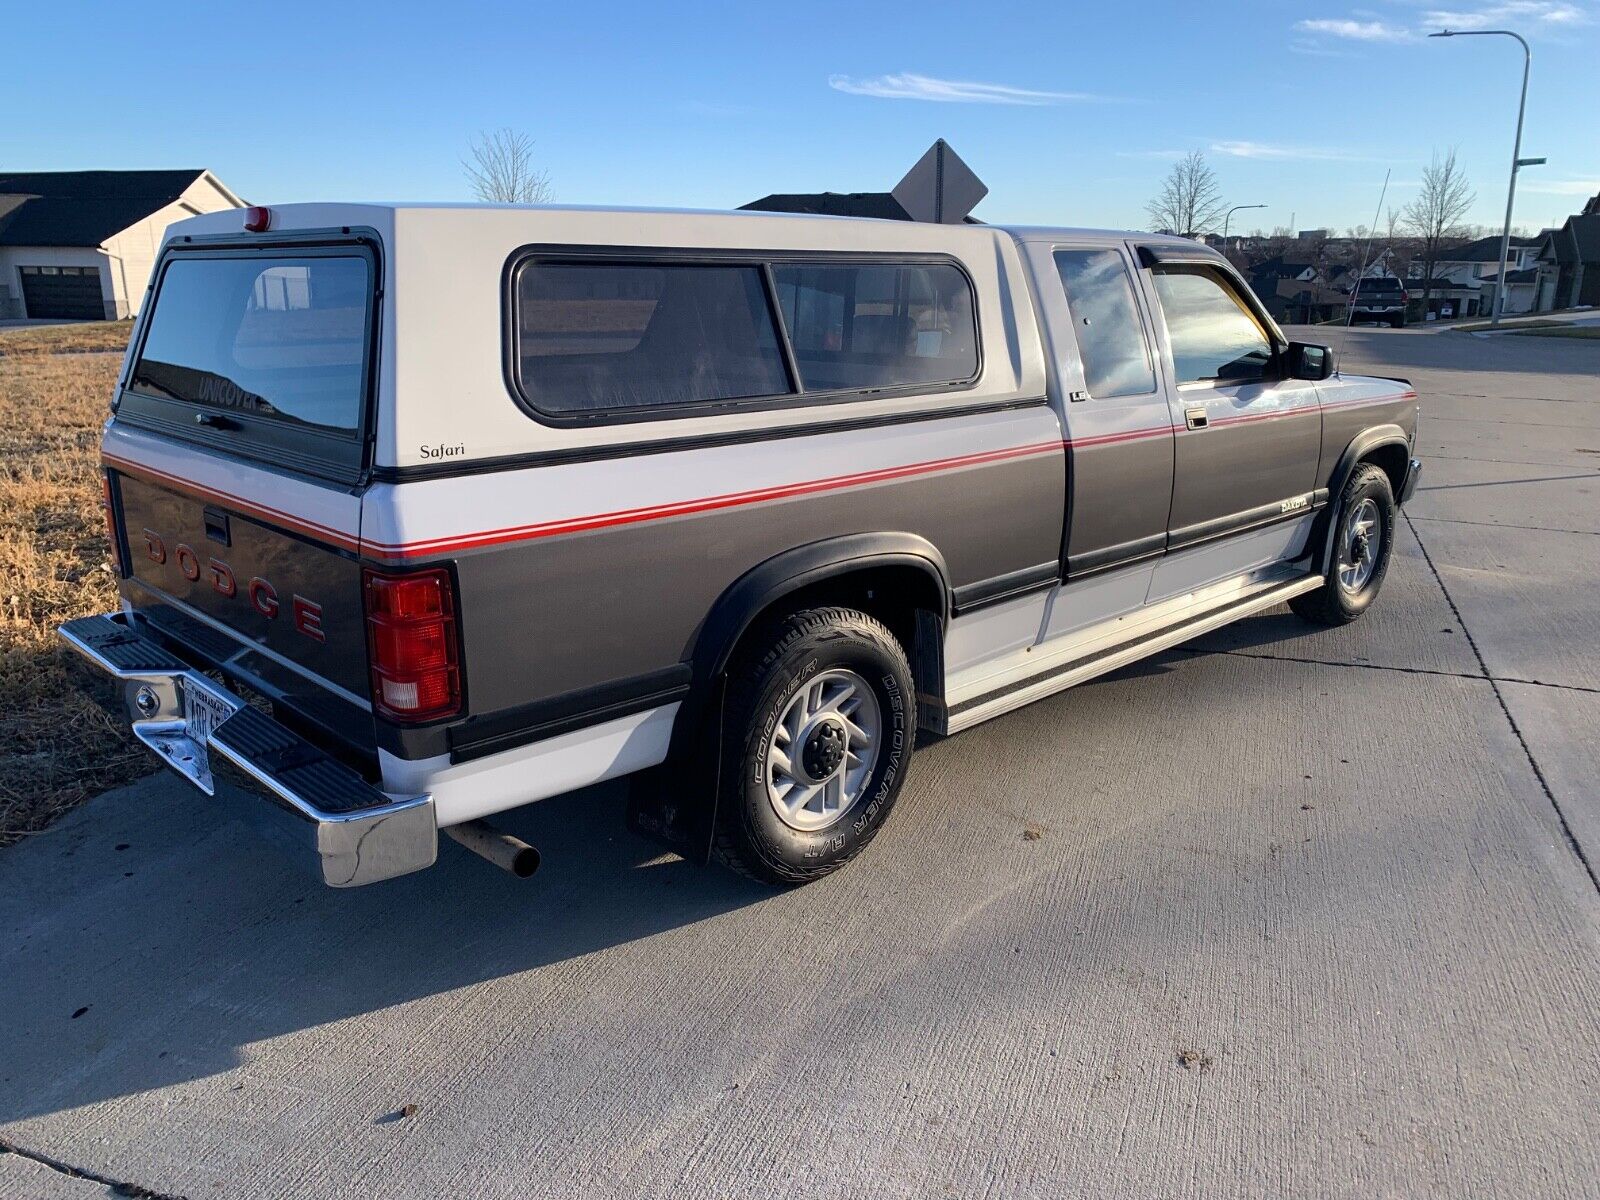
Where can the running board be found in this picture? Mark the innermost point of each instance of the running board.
(1079, 670)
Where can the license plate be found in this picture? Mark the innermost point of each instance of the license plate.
(203, 712)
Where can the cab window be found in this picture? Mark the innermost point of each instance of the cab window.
(1213, 336)
(1105, 321)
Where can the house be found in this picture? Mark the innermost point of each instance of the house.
(1569, 262)
(1297, 290)
(1306, 301)
(1446, 299)
(1522, 290)
(80, 244)
(1470, 272)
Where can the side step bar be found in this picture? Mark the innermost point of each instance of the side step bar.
(351, 832)
(1059, 677)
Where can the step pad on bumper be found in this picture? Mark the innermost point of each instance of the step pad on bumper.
(356, 833)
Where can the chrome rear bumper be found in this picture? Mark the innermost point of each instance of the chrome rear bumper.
(347, 829)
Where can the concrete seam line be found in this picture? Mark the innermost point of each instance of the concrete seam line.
(1482, 483)
(1501, 462)
(117, 1186)
(1365, 666)
(1538, 772)
(1502, 525)
(1432, 417)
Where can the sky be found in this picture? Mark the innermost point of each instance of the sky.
(1072, 113)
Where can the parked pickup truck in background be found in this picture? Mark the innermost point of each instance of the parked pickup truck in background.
(1382, 300)
(425, 513)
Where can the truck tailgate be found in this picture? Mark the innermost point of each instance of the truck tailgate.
(210, 555)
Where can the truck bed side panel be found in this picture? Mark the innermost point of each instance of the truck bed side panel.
(577, 573)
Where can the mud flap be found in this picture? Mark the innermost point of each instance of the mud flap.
(676, 803)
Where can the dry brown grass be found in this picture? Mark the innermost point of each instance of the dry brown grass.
(59, 743)
(76, 338)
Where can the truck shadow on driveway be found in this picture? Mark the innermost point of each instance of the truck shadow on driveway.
(150, 938)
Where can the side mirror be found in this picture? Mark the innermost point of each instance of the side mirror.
(1304, 360)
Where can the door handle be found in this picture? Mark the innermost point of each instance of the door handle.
(1194, 418)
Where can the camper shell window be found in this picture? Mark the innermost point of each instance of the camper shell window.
(599, 336)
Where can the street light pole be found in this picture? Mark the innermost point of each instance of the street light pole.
(1516, 157)
(1229, 216)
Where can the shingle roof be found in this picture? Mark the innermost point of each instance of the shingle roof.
(1586, 230)
(836, 204)
(1277, 268)
(1485, 249)
(1526, 275)
(82, 208)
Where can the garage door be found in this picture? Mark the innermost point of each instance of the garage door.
(71, 293)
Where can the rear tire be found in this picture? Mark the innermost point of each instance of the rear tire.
(1363, 542)
(820, 726)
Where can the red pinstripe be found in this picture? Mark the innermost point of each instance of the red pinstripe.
(337, 537)
(657, 512)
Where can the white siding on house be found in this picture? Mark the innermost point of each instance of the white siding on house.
(125, 259)
(133, 251)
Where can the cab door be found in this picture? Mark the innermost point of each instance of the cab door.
(1119, 434)
(1247, 438)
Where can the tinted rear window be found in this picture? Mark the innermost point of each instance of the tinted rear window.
(604, 337)
(878, 325)
(282, 338)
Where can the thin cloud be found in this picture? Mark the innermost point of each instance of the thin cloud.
(1358, 31)
(1281, 153)
(908, 86)
(1535, 16)
(1551, 13)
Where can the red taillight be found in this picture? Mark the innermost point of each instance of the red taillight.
(257, 219)
(107, 503)
(412, 645)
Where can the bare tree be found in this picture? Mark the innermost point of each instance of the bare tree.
(1393, 225)
(501, 169)
(1434, 217)
(1393, 249)
(1190, 201)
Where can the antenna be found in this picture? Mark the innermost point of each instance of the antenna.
(1350, 308)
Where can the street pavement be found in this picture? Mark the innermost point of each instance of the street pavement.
(1287, 912)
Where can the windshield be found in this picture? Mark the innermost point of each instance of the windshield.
(281, 338)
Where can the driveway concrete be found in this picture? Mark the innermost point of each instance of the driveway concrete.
(1289, 911)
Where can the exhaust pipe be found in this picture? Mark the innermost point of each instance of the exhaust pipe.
(499, 847)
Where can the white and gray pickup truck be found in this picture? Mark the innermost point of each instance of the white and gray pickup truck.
(422, 513)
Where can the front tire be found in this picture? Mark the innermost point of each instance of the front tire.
(1363, 543)
(820, 726)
